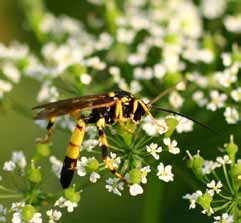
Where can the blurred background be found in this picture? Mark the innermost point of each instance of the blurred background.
(18, 132)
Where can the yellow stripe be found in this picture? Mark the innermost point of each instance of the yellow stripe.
(76, 139)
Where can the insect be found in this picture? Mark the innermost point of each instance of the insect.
(108, 108)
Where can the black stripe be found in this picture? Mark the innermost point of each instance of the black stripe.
(50, 124)
(67, 171)
(79, 127)
(101, 132)
(104, 152)
(73, 144)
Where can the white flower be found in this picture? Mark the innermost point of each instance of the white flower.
(3, 212)
(18, 157)
(153, 149)
(37, 218)
(81, 171)
(135, 189)
(85, 78)
(56, 165)
(209, 166)
(223, 160)
(70, 205)
(17, 206)
(125, 36)
(236, 94)
(215, 187)
(172, 145)
(231, 115)
(225, 218)
(4, 87)
(17, 217)
(47, 92)
(212, 9)
(9, 166)
(198, 97)
(159, 71)
(11, 71)
(226, 77)
(217, 100)
(135, 87)
(184, 125)
(175, 99)
(95, 63)
(114, 160)
(90, 144)
(193, 198)
(144, 171)
(114, 185)
(233, 23)
(165, 173)
(94, 177)
(53, 215)
(62, 203)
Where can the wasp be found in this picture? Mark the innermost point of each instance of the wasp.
(107, 108)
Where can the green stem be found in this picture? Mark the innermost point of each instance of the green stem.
(6, 189)
(227, 178)
(152, 210)
(11, 196)
(223, 206)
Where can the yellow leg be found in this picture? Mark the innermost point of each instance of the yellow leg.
(72, 154)
(147, 112)
(118, 110)
(104, 145)
(49, 132)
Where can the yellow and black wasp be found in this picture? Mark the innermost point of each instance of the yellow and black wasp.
(104, 109)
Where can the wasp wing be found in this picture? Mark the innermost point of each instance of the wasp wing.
(67, 106)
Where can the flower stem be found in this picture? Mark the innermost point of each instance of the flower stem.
(11, 196)
(227, 179)
(152, 206)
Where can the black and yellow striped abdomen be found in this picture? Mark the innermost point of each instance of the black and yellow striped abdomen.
(72, 154)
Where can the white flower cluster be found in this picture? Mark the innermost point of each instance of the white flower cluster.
(18, 160)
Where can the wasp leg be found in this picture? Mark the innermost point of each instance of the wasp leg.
(49, 132)
(104, 145)
(72, 154)
(146, 109)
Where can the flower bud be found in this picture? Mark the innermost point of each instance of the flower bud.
(72, 195)
(135, 176)
(235, 173)
(28, 212)
(171, 123)
(43, 149)
(34, 174)
(231, 149)
(205, 202)
(92, 165)
(196, 163)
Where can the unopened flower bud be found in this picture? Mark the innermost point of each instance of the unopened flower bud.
(196, 163)
(92, 165)
(34, 174)
(28, 212)
(205, 202)
(235, 173)
(135, 176)
(72, 195)
(43, 149)
(231, 149)
(171, 123)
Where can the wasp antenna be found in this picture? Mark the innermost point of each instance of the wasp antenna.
(163, 93)
(187, 117)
